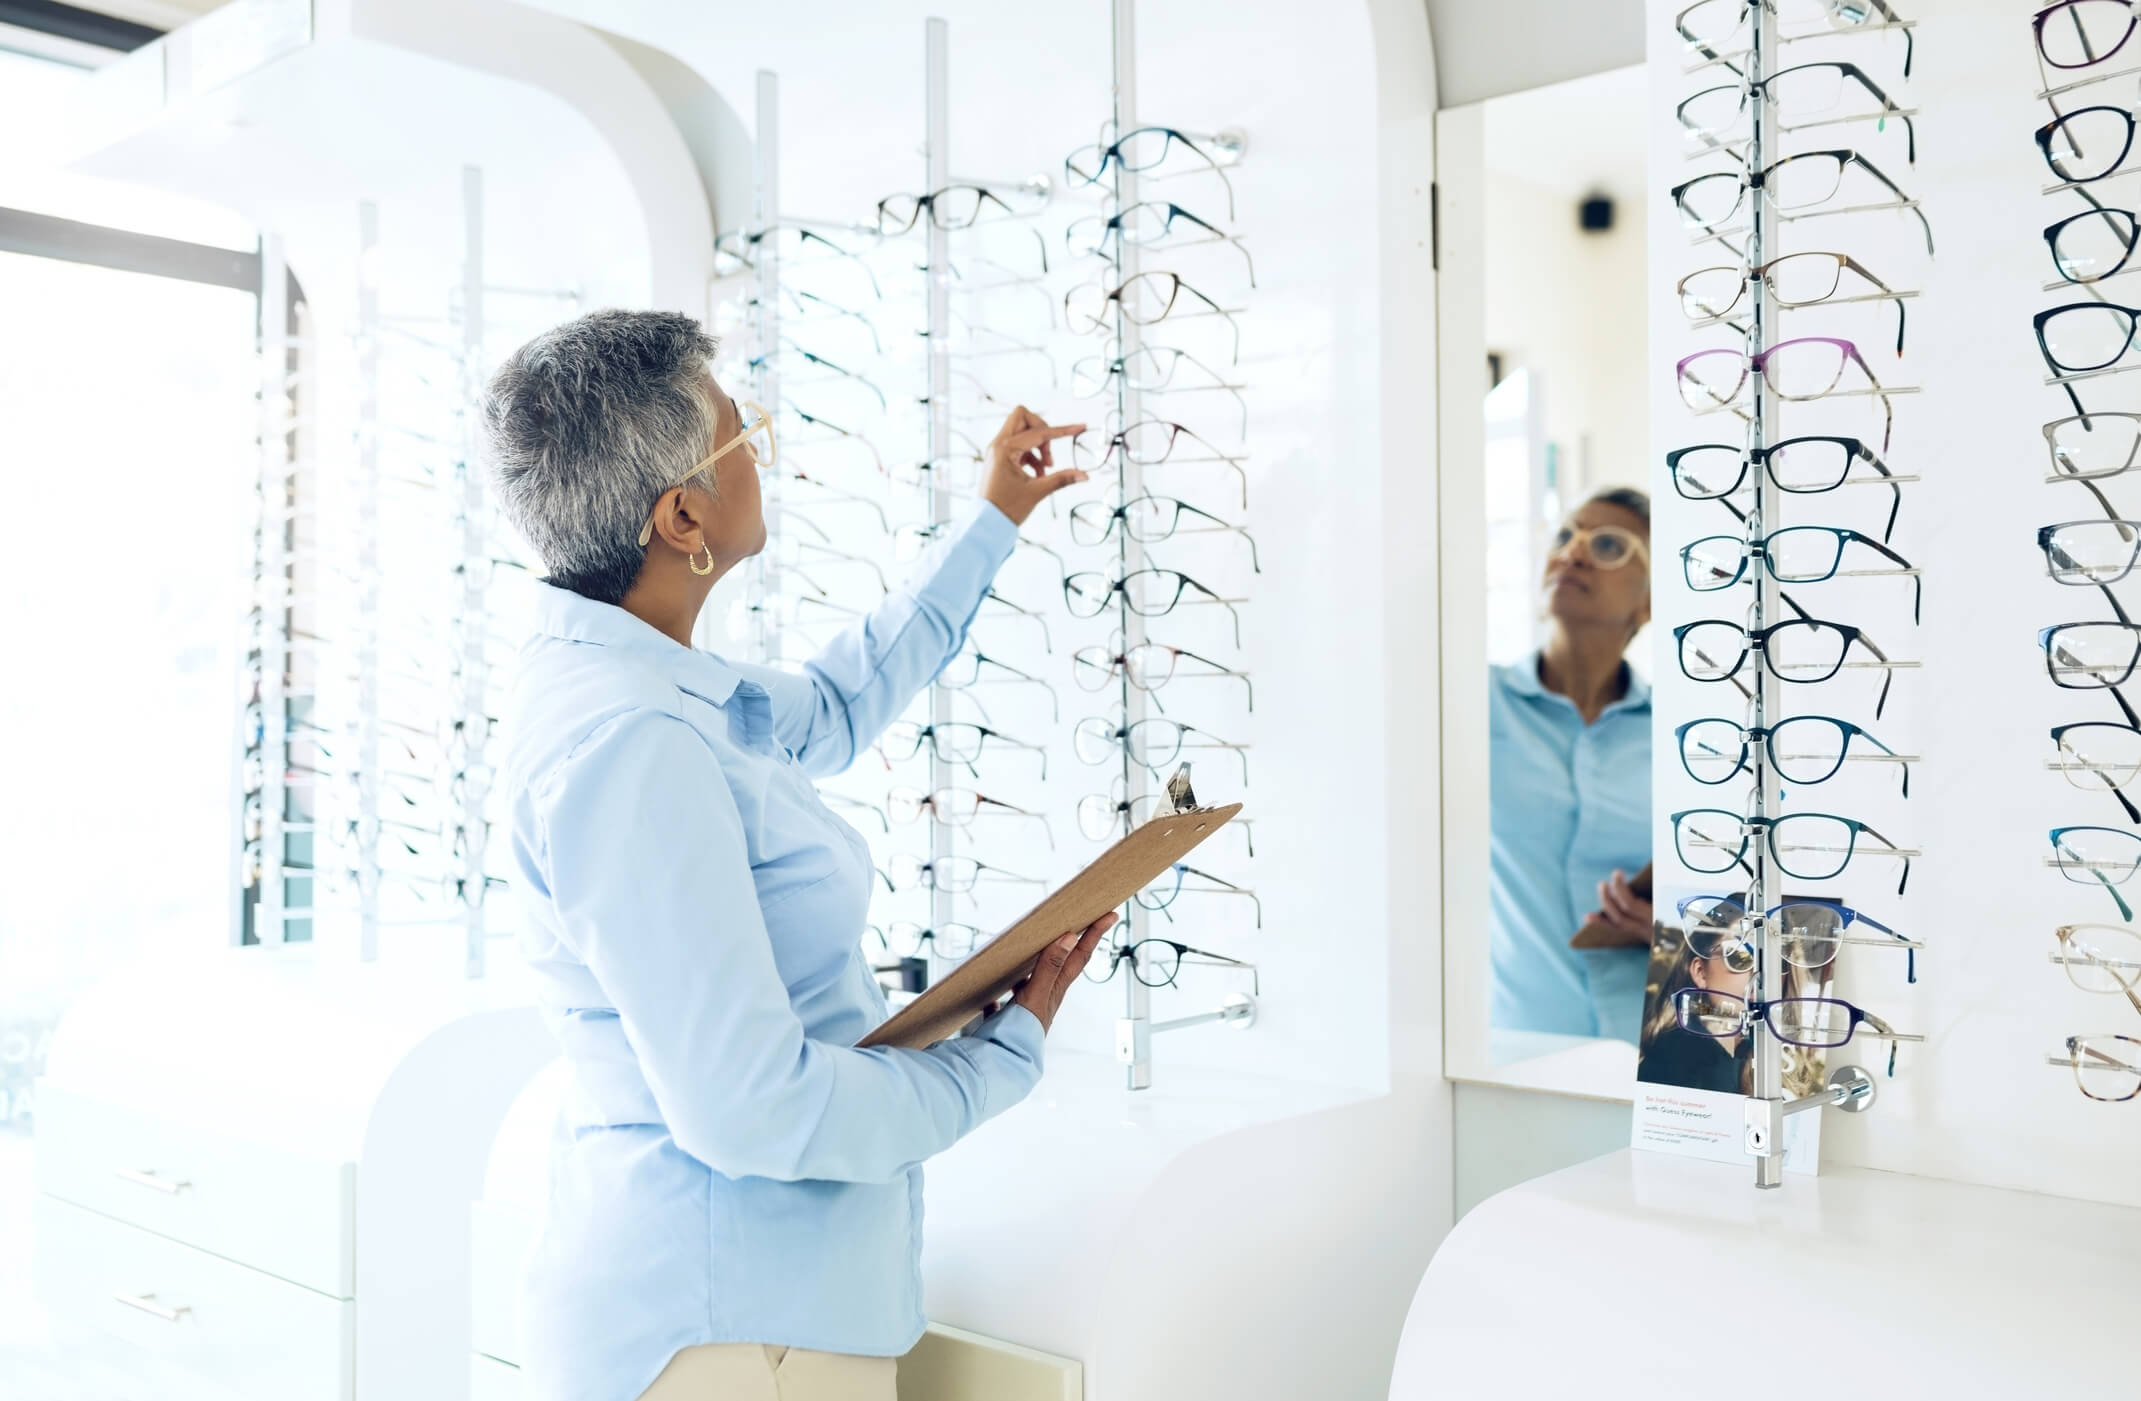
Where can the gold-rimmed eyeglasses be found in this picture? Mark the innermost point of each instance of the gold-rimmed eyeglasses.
(759, 434)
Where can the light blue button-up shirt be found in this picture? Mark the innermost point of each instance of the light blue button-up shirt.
(728, 1168)
(1571, 805)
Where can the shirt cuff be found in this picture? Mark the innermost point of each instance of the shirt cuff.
(1018, 1031)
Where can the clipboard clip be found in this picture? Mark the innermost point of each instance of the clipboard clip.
(1180, 794)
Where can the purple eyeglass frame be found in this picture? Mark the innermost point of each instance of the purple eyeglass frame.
(1760, 363)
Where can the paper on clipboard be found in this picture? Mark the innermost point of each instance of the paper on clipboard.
(997, 966)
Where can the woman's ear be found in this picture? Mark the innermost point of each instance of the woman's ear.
(1697, 971)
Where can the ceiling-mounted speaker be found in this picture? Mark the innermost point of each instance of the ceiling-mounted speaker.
(1595, 214)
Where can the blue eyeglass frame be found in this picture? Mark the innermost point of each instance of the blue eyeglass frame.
(1768, 736)
(2087, 874)
(1767, 827)
(1845, 915)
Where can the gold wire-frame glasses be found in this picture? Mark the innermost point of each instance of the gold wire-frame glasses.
(761, 426)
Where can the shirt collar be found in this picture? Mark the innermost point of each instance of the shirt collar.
(1524, 681)
(573, 617)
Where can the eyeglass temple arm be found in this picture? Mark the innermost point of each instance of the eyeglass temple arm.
(1901, 762)
(2125, 910)
(1875, 172)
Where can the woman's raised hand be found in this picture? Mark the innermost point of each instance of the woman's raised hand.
(1059, 966)
(1022, 465)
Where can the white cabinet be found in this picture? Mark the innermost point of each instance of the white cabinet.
(280, 1211)
(253, 1333)
(290, 1226)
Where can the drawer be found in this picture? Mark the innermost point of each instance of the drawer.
(500, 1238)
(492, 1380)
(273, 1209)
(243, 1330)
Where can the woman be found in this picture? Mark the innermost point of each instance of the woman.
(736, 1198)
(1715, 960)
(1570, 778)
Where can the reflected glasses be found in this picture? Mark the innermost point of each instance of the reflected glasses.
(1805, 845)
(1803, 749)
(1608, 546)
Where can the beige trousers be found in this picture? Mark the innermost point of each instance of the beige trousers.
(753, 1372)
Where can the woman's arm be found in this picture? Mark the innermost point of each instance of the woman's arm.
(643, 851)
(845, 696)
(866, 676)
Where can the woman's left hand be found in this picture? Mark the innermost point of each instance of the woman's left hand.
(1022, 464)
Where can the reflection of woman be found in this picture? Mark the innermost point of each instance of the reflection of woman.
(1570, 776)
(736, 1196)
(1672, 1056)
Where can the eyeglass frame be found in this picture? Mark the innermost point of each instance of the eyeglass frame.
(772, 457)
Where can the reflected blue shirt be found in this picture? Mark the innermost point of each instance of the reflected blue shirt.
(727, 1167)
(1571, 805)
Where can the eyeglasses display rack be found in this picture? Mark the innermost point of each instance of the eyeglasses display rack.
(276, 830)
(1766, 907)
(411, 626)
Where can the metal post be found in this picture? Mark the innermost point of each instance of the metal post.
(1133, 1040)
(476, 569)
(368, 583)
(277, 523)
(1765, 1112)
(938, 158)
(766, 332)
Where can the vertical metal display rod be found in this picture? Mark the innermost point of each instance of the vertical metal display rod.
(1765, 1112)
(766, 329)
(473, 785)
(1133, 1041)
(277, 524)
(368, 582)
(938, 161)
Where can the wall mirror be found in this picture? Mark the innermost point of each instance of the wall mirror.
(1545, 450)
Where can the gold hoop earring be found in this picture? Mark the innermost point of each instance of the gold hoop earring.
(692, 559)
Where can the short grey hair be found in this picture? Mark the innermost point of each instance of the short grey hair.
(585, 427)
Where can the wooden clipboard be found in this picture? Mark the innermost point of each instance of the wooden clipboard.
(997, 966)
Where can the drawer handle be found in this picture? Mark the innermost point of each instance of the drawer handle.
(148, 1178)
(147, 1304)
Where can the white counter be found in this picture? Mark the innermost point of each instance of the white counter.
(1216, 1235)
(1638, 1275)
